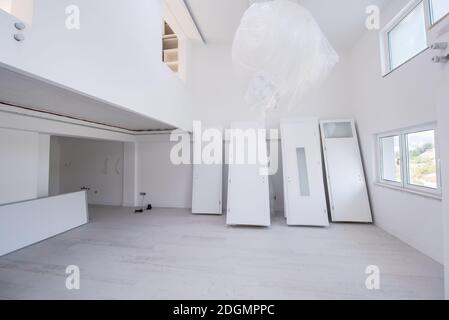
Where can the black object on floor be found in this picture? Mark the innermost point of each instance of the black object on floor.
(143, 194)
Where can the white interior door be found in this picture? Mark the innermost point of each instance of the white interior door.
(248, 190)
(207, 189)
(304, 195)
(348, 194)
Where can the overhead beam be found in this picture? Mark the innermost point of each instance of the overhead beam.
(180, 18)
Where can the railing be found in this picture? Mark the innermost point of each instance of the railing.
(28, 222)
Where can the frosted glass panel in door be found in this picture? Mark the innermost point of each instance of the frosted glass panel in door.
(304, 195)
(338, 130)
(303, 175)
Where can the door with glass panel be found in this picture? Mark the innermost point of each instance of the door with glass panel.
(348, 195)
(304, 194)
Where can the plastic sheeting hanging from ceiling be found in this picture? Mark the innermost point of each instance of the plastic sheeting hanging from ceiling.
(281, 45)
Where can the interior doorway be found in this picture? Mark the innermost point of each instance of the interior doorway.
(93, 165)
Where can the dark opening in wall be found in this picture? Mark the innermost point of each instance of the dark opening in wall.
(170, 48)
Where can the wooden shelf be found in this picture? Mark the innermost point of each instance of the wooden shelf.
(171, 43)
(169, 36)
(171, 55)
(170, 51)
(174, 66)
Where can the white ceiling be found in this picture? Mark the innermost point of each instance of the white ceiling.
(28, 92)
(342, 21)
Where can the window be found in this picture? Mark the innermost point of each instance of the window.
(407, 37)
(391, 158)
(438, 10)
(421, 159)
(408, 159)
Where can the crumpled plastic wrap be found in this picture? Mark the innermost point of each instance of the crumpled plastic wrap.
(281, 45)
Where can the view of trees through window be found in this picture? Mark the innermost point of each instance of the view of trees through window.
(422, 159)
(409, 159)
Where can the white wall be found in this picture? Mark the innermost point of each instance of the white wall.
(115, 56)
(219, 87)
(443, 114)
(165, 184)
(25, 157)
(54, 167)
(130, 175)
(442, 102)
(19, 160)
(43, 166)
(97, 165)
(19, 163)
(406, 97)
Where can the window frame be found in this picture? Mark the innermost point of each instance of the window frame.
(431, 15)
(381, 164)
(405, 185)
(385, 44)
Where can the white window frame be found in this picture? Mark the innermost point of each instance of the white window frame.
(404, 185)
(385, 39)
(433, 22)
(380, 177)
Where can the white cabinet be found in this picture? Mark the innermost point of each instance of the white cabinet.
(248, 188)
(348, 194)
(304, 193)
(207, 186)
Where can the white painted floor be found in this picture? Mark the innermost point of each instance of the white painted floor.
(171, 254)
